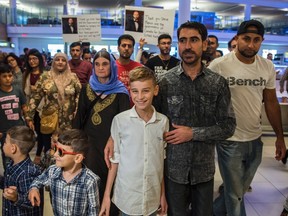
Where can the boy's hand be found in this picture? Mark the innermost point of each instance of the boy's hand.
(30, 124)
(179, 135)
(34, 197)
(163, 206)
(10, 193)
(105, 207)
(108, 152)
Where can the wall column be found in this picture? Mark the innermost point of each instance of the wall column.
(13, 11)
(247, 12)
(184, 11)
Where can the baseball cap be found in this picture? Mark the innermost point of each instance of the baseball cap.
(243, 28)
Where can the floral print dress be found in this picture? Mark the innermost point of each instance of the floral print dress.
(47, 89)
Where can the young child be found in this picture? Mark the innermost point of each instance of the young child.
(74, 188)
(139, 152)
(20, 173)
(12, 105)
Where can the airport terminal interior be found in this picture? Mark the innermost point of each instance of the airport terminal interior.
(38, 24)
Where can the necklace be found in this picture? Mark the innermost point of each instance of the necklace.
(165, 65)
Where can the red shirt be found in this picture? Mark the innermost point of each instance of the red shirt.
(83, 70)
(123, 71)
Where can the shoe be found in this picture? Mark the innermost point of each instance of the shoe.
(284, 213)
(284, 160)
(249, 189)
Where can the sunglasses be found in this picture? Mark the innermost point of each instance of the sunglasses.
(61, 151)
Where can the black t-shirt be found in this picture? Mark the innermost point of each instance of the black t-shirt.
(160, 66)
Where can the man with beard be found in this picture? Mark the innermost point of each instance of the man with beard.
(197, 103)
(135, 23)
(252, 81)
(83, 69)
(163, 62)
(125, 48)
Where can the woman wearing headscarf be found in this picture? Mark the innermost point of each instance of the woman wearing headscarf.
(60, 89)
(100, 100)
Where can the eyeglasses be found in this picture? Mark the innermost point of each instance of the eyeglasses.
(33, 59)
(61, 151)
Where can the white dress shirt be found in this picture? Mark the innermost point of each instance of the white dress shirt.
(139, 149)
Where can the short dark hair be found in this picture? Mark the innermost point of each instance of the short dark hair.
(164, 36)
(74, 44)
(23, 137)
(75, 138)
(13, 55)
(25, 49)
(5, 68)
(230, 42)
(194, 25)
(220, 51)
(126, 37)
(213, 36)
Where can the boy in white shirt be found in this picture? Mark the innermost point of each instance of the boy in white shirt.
(139, 152)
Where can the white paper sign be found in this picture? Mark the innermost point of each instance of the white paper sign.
(148, 23)
(85, 28)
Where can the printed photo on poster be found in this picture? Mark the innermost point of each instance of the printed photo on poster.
(69, 25)
(134, 20)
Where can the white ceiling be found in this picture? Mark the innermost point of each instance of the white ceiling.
(260, 8)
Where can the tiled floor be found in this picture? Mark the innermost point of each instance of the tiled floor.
(270, 185)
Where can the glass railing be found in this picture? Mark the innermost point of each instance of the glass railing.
(115, 19)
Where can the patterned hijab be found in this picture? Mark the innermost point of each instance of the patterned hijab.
(61, 78)
(113, 85)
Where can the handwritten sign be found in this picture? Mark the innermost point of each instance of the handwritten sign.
(88, 28)
(155, 23)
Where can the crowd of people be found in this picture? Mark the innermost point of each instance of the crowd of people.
(137, 137)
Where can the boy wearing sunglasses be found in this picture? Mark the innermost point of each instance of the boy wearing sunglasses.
(74, 188)
(20, 173)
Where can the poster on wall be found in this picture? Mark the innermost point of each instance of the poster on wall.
(85, 28)
(148, 23)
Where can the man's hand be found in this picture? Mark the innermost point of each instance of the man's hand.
(142, 42)
(10, 193)
(34, 197)
(280, 149)
(179, 135)
(108, 152)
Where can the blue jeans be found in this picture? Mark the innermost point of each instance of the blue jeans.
(187, 199)
(238, 163)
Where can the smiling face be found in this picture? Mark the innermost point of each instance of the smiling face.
(142, 93)
(60, 63)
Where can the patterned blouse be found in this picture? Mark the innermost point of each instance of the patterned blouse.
(47, 89)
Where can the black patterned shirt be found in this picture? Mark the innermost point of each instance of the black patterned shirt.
(204, 104)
